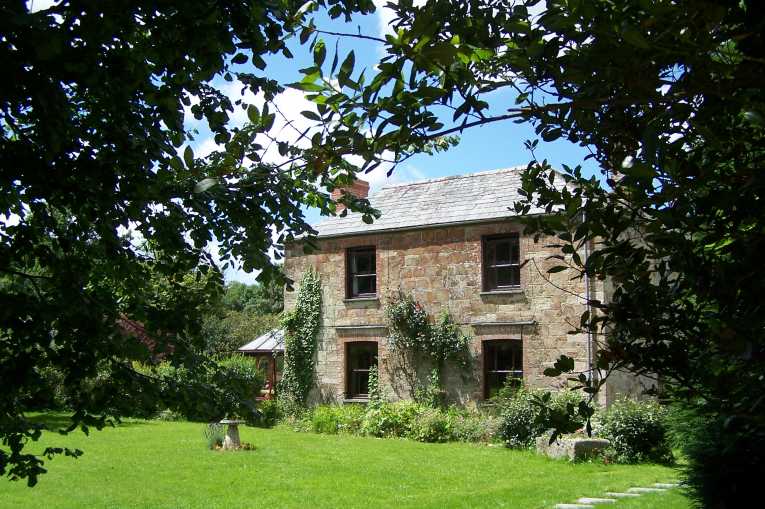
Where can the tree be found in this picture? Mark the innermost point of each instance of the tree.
(95, 160)
(668, 97)
(260, 298)
(244, 313)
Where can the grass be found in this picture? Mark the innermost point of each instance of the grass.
(166, 464)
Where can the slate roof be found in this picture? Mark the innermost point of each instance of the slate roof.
(457, 199)
(271, 341)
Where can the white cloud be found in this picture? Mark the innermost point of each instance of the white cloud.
(41, 5)
(385, 15)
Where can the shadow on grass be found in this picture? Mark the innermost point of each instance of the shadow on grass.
(54, 421)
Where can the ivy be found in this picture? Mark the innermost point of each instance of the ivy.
(415, 341)
(373, 387)
(301, 327)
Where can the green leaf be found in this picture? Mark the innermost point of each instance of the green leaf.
(639, 170)
(311, 115)
(557, 268)
(564, 364)
(319, 53)
(258, 61)
(346, 68)
(188, 156)
(239, 58)
(306, 87)
(253, 114)
(634, 37)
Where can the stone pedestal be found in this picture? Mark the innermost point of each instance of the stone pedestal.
(232, 434)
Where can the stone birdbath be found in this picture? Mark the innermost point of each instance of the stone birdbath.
(232, 433)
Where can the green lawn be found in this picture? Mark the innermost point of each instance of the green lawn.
(160, 464)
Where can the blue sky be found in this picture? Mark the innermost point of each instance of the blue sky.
(492, 146)
(483, 148)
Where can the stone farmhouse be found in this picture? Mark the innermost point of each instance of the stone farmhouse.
(453, 243)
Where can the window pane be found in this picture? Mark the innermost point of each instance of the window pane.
(361, 262)
(503, 364)
(360, 384)
(364, 263)
(361, 357)
(503, 251)
(508, 276)
(504, 357)
(494, 383)
(363, 285)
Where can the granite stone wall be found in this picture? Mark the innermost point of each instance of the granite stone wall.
(441, 267)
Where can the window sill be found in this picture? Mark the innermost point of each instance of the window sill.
(349, 401)
(514, 291)
(362, 299)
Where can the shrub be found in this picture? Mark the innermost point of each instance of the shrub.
(47, 393)
(722, 459)
(325, 419)
(269, 413)
(236, 378)
(637, 431)
(390, 419)
(169, 416)
(518, 420)
(432, 425)
(475, 427)
(563, 398)
(336, 419)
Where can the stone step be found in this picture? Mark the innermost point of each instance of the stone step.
(667, 484)
(574, 506)
(616, 494)
(593, 500)
(645, 490)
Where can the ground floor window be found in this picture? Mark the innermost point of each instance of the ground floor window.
(502, 363)
(360, 357)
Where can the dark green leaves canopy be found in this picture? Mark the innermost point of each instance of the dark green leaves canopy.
(101, 192)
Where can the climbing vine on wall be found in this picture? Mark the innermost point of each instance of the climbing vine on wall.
(301, 328)
(419, 342)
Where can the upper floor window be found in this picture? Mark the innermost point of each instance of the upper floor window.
(501, 262)
(361, 272)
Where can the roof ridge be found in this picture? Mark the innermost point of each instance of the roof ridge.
(453, 177)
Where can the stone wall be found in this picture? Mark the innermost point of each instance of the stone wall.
(441, 267)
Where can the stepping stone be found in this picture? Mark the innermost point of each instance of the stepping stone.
(667, 485)
(645, 490)
(590, 500)
(574, 506)
(616, 494)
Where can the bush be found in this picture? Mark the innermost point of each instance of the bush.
(432, 425)
(637, 431)
(47, 393)
(518, 415)
(403, 419)
(723, 461)
(474, 427)
(337, 419)
(390, 419)
(270, 413)
(236, 379)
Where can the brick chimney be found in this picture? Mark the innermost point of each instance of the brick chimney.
(359, 189)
